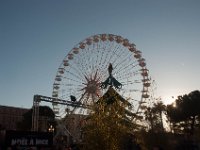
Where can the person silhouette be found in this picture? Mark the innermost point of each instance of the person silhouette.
(110, 69)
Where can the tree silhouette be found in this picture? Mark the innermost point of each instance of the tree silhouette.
(154, 115)
(184, 113)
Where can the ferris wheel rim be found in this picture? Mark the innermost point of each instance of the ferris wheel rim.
(105, 37)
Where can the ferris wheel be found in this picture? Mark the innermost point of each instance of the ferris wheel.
(84, 73)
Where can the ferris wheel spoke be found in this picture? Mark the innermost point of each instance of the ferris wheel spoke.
(95, 57)
(78, 71)
(127, 75)
(100, 52)
(83, 59)
(68, 73)
(111, 51)
(73, 80)
(131, 82)
(127, 68)
(105, 59)
(73, 85)
(119, 55)
(124, 62)
(100, 63)
(114, 55)
(80, 100)
(78, 68)
(91, 62)
(129, 89)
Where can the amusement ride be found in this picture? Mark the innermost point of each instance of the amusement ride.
(89, 69)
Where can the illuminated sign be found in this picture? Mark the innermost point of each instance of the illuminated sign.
(28, 138)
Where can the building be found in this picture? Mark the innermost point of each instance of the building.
(10, 116)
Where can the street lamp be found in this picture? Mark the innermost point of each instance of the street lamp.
(51, 128)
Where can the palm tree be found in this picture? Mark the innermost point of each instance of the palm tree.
(154, 115)
(159, 108)
(149, 116)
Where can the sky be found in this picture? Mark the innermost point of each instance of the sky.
(36, 35)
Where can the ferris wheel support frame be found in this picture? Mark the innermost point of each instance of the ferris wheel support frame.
(36, 102)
